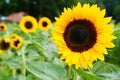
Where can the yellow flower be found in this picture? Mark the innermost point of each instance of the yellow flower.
(3, 27)
(13, 36)
(4, 45)
(28, 24)
(44, 23)
(16, 41)
(1, 51)
(82, 35)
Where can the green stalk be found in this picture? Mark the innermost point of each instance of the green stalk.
(23, 63)
(14, 72)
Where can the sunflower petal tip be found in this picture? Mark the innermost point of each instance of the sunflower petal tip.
(78, 4)
(56, 18)
(115, 37)
(103, 12)
(65, 9)
(76, 66)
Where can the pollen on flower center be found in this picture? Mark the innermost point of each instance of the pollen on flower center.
(28, 25)
(80, 35)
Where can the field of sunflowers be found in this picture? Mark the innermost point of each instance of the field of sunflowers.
(81, 44)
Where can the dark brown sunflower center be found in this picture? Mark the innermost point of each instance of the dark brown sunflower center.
(1, 27)
(77, 35)
(4, 45)
(28, 25)
(44, 24)
(80, 35)
(16, 43)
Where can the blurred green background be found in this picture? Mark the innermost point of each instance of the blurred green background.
(52, 8)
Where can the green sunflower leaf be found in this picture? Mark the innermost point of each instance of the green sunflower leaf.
(46, 70)
(85, 75)
(106, 71)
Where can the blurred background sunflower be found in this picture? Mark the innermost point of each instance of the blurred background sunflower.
(28, 24)
(16, 41)
(3, 26)
(44, 23)
(4, 45)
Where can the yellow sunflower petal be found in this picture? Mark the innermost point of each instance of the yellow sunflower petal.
(101, 48)
(69, 59)
(94, 15)
(98, 53)
(83, 61)
(75, 57)
(109, 45)
(62, 57)
(102, 38)
(77, 8)
(90, 64)
(77, 64)
(92, 52)
(69, 13)
(102, 13)
(107, 20)
(86, 55)
(86, 10)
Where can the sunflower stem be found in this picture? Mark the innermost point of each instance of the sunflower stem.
(14, 72)
(75, 75)
(89, 69)
(48, 56)
(23, 63)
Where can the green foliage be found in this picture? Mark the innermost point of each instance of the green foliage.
(100, 71)
(85, 75)
(112, 8)
(36, 53)
(116, 12)
(46, 70)
(106, 71)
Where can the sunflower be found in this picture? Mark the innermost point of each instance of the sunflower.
(82, 35)
(16, 41)
(13, 36)
(3, 27)
(44, 23)
(28, 24)
(4, 45)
